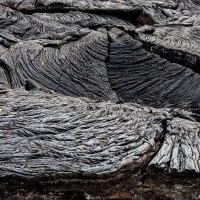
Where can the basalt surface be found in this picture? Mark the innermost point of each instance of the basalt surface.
(99, 99)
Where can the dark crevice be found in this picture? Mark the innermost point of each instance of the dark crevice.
(19, 3)
(186, 59)
(51, 45)
(63, 42)
(109, 44)
(164, 124)
(7, 73)
(30, 85)
(36, 2)
(159, 143)
(107, 60)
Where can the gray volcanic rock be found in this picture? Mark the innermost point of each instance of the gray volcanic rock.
(73, 69)
(139, 76)
(53, 133)
(180, 150)
(84, 19)
(16, 26)
(99, 99)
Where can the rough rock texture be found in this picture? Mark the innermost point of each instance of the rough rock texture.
(73, 136)
(68, 69)
(180, 150)
(139, 76)
(99, 99)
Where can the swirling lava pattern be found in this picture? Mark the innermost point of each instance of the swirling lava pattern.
(75, 69)
(139, 76)
(84, 19)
